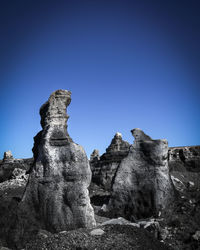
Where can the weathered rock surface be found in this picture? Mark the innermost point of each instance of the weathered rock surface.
(142, 186)
(9, 163)
(104, 168)
(56, 197)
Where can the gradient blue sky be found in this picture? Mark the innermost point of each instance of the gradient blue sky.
(128, 64)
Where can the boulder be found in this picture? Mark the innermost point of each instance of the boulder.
(142, 186)
(56, 197)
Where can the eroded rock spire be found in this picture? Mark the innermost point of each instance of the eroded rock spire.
(56, 197)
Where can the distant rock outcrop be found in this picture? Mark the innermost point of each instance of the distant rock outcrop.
(142, 186)
(94, 159)
(56, 197)
(104, 167)
(9, 164)
(8, 157)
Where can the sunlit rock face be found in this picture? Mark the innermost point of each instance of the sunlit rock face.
(56, 196)
(142, 186)
(105, 167)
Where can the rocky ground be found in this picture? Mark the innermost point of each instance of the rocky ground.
(177, 228)
(104, 237)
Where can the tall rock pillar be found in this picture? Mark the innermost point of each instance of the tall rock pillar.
(56, 197)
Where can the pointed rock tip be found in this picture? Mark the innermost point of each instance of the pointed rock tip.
(118, 134)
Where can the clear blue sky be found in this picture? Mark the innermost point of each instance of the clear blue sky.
(129, 64)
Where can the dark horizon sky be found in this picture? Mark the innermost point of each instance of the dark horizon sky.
(129, 64)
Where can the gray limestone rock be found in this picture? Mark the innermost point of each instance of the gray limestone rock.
(105, 167)
(56, 197)
(142, 186)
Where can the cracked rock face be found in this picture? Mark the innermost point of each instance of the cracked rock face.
(142, 186)
(56, 197)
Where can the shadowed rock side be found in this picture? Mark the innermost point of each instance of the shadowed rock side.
(142, 186)
(56, 197)
(104, 167)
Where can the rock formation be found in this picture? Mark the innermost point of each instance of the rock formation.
(56, 197)
(142, 186)
(8, 157)
(95, 155)
(185, 157)
(104, 168)
(9, 164)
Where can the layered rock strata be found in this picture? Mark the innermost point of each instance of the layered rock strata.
(104, 167)
(56, 197)
(142, 186)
